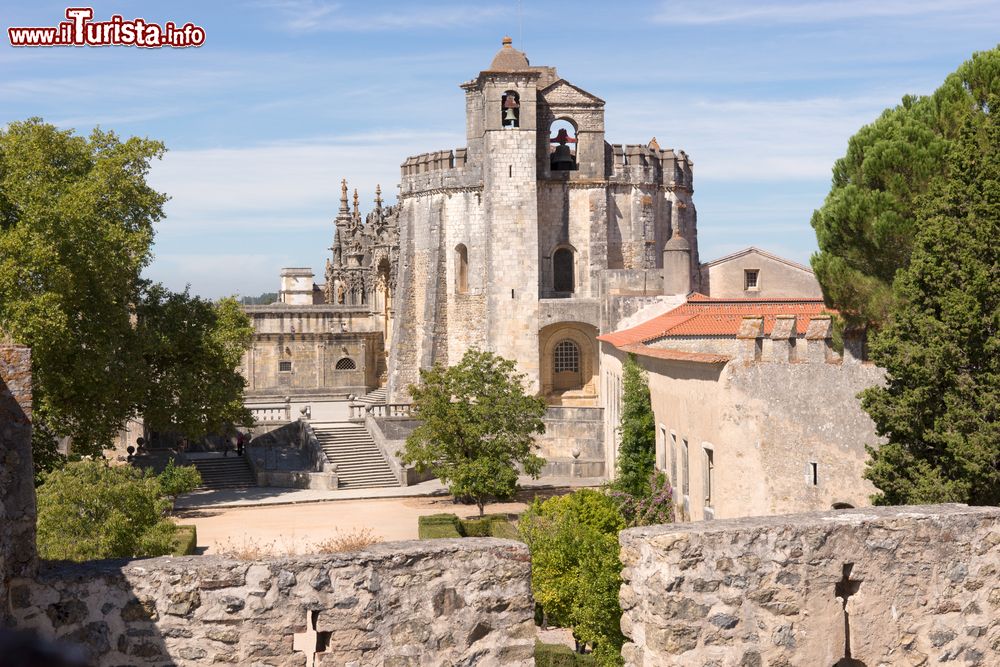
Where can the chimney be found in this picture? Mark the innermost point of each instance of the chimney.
(751, 338)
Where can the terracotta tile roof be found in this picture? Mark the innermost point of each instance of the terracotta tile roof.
(702, 316)
(674, 355)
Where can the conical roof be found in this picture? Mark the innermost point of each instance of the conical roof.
(509, 59)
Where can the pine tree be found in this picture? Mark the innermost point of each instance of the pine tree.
(941, 346)
(636, 455)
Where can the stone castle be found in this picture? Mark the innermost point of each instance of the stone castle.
(538, 240)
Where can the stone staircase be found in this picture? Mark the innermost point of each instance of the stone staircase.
(360, 463)
(224, 472)
(376, 397)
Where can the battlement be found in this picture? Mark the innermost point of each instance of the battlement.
(787, 345)
(439, 169)
(649, 162)
(435, 161)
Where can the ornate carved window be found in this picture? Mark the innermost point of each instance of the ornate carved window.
(461, 269)
(562, 270)
(566, 357)
(346, 364)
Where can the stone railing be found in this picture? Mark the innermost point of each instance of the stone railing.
(361, 411)
(271, 413)
(455, 602)
(875, 586)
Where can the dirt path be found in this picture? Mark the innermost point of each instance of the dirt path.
(292, 528)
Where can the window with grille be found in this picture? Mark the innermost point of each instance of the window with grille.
(567, 357)
(285, 366)
(346, 364)
(685, 462)
(751, 279)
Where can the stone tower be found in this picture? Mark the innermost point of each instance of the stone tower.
(535, 237)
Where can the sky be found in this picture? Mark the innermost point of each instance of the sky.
(286, 97)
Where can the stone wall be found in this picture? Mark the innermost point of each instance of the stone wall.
(435, 602)
(17, 491)
(921, 587)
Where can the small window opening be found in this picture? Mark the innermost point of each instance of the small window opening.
(285, 366)
(685, 463)
(751, 279)
(709, 476)
(461, 269)
(562, 270)
(567, 357)
(510, 109)
(563, 154)
(814, 473)
(346, 364)
(673, 459)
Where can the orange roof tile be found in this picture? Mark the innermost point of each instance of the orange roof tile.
(702, 316)
(675, 355)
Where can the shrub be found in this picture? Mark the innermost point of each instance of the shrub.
(353, 540)
(185, 540)
(558, 655)
(176, 480)
(648, 508)
(90, 510)
(436, 526)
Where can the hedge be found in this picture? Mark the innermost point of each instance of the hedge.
(185, 540)
(435, 526)
(558, 655)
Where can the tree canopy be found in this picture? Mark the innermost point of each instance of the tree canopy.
(941, 344)
(76, 230)
(476, 425)
(866, 227)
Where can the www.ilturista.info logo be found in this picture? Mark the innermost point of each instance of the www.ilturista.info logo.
(79, 30)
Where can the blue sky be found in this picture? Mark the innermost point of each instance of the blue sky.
(286, 97)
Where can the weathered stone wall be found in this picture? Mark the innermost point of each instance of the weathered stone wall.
(921, 587)
(435, 602)
(17, 491)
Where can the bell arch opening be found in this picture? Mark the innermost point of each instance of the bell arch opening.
(562, 153)
(510, 109)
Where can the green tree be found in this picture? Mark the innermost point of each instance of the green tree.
(89, 510)
(76, 225)
(76, 229)
(867, 224)
(476, 425)
(637, 452)
(575, 569)
(941, 346)
(175, 480)
(191, 348)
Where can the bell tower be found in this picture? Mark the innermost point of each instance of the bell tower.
(502, 129)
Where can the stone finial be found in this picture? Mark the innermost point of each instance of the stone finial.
(343, 197)
(654, 144)
(378, 197)
(783, 338)
(751, 337)
(355, 202)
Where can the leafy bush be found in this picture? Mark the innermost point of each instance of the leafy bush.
(648, 508)
(575, 570)
(90, 510)
(176, 480)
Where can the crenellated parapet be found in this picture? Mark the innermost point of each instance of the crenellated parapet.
(785, 345)
(639, 164)
(437, 170)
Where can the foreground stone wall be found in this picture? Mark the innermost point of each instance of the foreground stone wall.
(17, 491)
(436, 602)
(921, 587)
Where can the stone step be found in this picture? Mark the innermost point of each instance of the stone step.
(360, 463)
(225, 473)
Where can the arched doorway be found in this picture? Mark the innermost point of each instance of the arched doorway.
(568, 363)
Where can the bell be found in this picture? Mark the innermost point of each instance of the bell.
(510, 102)
(562, 159)
(509, 116)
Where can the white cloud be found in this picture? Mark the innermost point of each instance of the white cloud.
(727, 11)
(319, 15)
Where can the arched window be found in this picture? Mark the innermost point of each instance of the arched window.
(461, 269)
(566, 357)
(510, 109)
(562, 270)
(346, 364)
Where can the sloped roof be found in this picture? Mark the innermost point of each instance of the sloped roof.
(509, 59)
(563, 83)
(764, 253)
(702, 316)
(675, 355)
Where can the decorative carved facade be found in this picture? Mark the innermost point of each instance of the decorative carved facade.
(365, 254)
